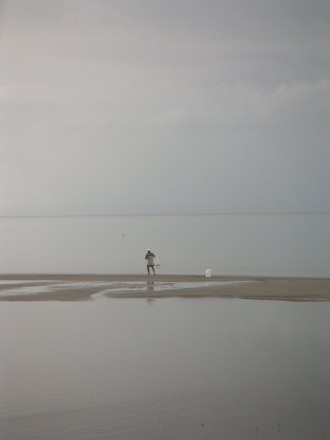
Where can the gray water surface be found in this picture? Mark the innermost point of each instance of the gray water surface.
(168, 368)
(295, 245)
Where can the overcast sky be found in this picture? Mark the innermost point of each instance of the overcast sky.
(164, 106)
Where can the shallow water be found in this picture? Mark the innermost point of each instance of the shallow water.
(167, 368)
(247, 244)
(105, 288)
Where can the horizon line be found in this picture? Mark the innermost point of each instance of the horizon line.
(165, 214)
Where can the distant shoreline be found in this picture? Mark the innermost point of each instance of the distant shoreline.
(65, 287)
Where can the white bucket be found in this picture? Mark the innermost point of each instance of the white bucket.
(208, 273)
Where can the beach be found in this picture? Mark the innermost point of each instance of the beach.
(64, 287)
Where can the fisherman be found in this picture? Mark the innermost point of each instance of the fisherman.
(150, 257)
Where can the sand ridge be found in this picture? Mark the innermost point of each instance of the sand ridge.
(64, 287)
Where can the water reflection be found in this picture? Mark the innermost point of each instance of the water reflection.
(189, 369)
(150, 286)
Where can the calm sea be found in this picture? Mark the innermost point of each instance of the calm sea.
(276, 245)
(164, 369)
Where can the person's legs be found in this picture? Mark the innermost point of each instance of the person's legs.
(153, 268)
(148, 267)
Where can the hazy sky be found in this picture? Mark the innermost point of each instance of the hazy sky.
(164, 106)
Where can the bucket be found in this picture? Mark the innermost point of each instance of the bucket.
(208, 273)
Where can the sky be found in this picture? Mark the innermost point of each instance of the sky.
(164, 106)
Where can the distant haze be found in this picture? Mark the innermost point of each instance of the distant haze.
(150, 106)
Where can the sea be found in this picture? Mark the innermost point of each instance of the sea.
(294, 245)
(178, 369)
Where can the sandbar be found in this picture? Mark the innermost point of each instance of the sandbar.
(64, 287)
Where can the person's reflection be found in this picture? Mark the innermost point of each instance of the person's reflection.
(150, 288)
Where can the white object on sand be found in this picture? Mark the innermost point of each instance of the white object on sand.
(208, 273)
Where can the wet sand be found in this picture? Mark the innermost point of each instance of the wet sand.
(47, 287)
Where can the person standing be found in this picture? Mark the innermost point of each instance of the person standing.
(150, 257)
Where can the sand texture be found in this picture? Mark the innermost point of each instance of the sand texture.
(48, 287)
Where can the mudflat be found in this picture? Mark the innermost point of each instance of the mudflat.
(64, 287)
